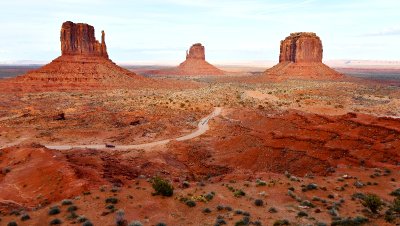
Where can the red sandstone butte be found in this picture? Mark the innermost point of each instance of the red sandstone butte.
(301, 57)
(79, 39)
(83, 64)
(194, 65)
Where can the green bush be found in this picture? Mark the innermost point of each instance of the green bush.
(87, 223)
(136, 223)
(12, 223)
(72, 208)
(54, 210)
(162, 187)
(281, 222)
(239, 193)
(66, 202)
(55, 221)
(396, 205)
(350, 221)
(25, 217)
(372, 202)
(258, 202)
(190, 203)
(395, 192)
(112, 200)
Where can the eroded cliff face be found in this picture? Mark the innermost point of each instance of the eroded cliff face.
(79, 39)
(197, 52)
(301, 47)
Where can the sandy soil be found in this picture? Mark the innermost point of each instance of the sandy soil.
(287, 134)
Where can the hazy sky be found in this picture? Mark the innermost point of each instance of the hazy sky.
(232, 31)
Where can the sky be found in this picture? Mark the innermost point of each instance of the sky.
(160, 31)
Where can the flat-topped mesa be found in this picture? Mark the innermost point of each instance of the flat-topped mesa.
(79, 39)
(197, 52)
(301, 47)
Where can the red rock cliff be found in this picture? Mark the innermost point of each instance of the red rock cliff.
(79, 39)
(301, 47)
(196, 51)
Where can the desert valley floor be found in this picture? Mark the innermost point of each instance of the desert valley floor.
(299, 151)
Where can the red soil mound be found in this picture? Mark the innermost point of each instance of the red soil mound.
(33, 175)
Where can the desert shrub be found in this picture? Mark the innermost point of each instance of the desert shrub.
(54, 210)
(281, 222)
(72, 215)
(396, 205)
(55, 221)
(350, 221)
(238, 212)
(112, 200)
(243, 222)
(358, 195)
(135, 223)
(307, 203)
(81, 219)
(396, 192)
(190, 203)
(72, 208)
(115, 189)
(220, 207)
(162, 187)
(161, 224)
(311, 187)
(209, 196)
(87, 223)
(120, 218)
(206, 210)
(110, 207)
(260, 183)
(302, 214)
(25, 217)
(239, 193)
(272, 210)
(372, 202)
(220, 221)
(66, 202)
(390, 216)
(228, 208)
(5, 170)
(12, 223)
(258, 202)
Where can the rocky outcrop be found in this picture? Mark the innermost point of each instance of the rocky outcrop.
(194, 65)
(301, 58)
(197, 52)
(301, 47)
(79, 39)
(83, 64)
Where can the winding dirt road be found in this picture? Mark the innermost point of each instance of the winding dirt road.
(202, 127)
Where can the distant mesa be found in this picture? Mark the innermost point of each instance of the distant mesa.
(194, 65)
(83, 64)
(301, 57)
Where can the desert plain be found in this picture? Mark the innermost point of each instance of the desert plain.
(83, 142)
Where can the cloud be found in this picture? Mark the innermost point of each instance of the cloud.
(387, 32)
